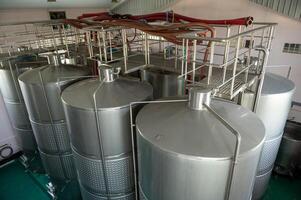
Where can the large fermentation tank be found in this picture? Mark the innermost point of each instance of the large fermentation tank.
(8, 141)
(41, 88)
(10, 69)
(185, 152)
(166, 83)
(99, 124)
(288, 160)
(273, 108)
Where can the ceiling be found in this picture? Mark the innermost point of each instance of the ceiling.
(4, 4)
(290, 8)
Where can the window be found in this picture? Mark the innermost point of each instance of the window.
(292, 48)
(57, 15)
(54, 15)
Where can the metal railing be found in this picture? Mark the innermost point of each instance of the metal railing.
(228, 63)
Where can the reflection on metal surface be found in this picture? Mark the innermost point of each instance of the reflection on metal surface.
(177, 143)
(10, 69)
(41, 88)
(273, 108)
(165, 83)
(261, 184)
(288, 160)
(99, 125)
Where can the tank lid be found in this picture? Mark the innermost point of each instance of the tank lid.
(177, 129)
(54, 57)
(116, 94)
(108, 73)
(198, 97)
(160, 70)
(24, 61)
(53, 74)
(69, 61)
(275, 84)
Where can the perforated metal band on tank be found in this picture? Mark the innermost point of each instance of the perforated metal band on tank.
(52, 122)
(100, 139)
(90, 196)
(106, 74)
(10, 69)
(119, 174)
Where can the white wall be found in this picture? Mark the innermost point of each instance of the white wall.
(24, 15)
(8, 16)
(56, 4)
(288, 30)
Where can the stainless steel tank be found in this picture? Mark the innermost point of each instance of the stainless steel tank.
(41, 88)
(275, 103)
(165, 82)
(273, 108)
(10, 69)
(288, 161)
(262, 183)
(186, 150)
(99, 125)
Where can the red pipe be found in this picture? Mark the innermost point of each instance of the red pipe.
(238, 21)
(102, 18)
(177, 18)
(171, 17)
(74, 23)
(88, 15)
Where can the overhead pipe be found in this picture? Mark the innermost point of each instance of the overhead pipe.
(167, 16)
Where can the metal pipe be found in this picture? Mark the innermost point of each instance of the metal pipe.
(176, 56)
(104, 45)
(249, 54)
(54, 42)
(180, 76)
(289, 72)
(88, 45)
(235, 63)
(148, 51)
(56, 140)
(110, 43)
(186, 58)
(193, 60)
(265, 62)
(14, 80)
(124, 45)
(99, 46)
(66, 44)
(183, 56)
(211, 62)
(230, 79)
(236, 152)
(100, 139)
(226, 54)
(223, 40)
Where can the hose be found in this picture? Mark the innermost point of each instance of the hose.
(180, 24)
(167, 16)
(169, 32)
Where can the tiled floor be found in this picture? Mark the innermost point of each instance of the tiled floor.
(16, 184)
